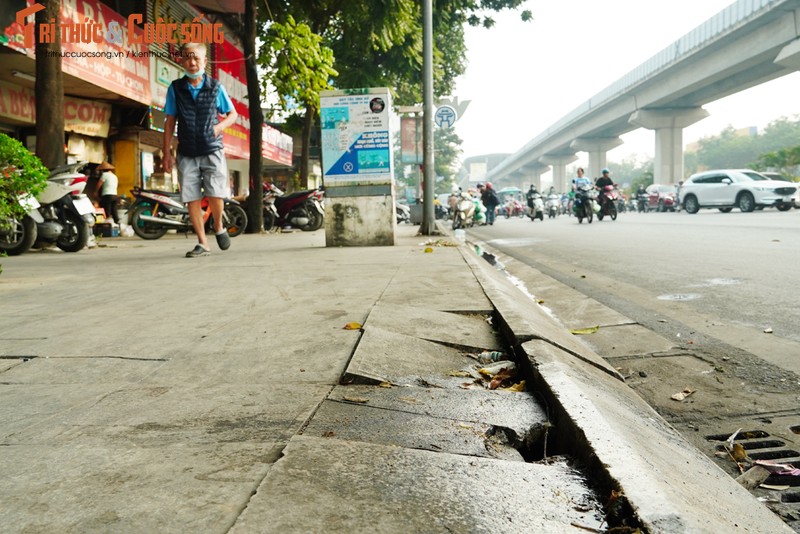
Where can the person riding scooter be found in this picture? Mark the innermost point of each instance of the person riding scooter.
(602, 182)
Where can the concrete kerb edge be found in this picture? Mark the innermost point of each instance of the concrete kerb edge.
(513, 313)
(652, 516)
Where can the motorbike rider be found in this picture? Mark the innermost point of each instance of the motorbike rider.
(580, 180)
(602, 182)
(529, 195)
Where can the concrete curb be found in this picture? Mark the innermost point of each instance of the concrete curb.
(668, 484)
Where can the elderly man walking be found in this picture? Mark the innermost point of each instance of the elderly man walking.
(195, 102)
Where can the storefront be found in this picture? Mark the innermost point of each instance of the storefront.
(115, 93)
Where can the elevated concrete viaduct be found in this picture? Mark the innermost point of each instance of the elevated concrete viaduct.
(746, 44)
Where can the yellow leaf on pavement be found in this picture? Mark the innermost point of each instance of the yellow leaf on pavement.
(584, 331)
(352, 326)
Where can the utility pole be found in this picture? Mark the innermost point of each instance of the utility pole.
(429, 175)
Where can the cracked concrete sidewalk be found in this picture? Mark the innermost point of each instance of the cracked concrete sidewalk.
(148, 392)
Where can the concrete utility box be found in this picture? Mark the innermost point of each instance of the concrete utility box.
(357, 167)
(359, 220)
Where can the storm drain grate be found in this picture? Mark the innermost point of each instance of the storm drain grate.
(758, 447)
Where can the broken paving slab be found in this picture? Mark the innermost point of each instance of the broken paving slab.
(443, 287)
(331, 485)
(516, 411)
(525, 320)
(361, 422)
(455, 329)
(386, 356)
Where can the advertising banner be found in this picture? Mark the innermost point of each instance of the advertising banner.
(85, 117)
(411, 151)
(276, 146)
(95, 46)
(356, 141)
(229, 70)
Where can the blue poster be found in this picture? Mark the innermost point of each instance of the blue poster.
(356, 140)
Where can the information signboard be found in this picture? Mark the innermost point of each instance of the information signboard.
(356, 140)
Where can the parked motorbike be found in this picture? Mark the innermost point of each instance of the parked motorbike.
(608, 203)
(553, 203)
(152, 213)
(536, 211)
(465, 212)
(61, 214)
(301, 209)
(402, 212)
(583, 205)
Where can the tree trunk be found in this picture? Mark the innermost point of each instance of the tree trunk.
(49, 90)
(255, 210)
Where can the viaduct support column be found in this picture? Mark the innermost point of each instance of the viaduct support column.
(537, 170)
(559, 163)
(597, 148)
(669, 125)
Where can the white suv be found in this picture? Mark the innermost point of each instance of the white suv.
(734, 188)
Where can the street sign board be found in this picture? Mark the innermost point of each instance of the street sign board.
(356, 144)
(445, 116)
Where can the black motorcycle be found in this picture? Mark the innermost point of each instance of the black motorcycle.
(583, 206)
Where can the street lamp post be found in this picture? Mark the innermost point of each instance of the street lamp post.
(429, 176)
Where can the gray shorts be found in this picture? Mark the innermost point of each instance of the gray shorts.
(201, 176)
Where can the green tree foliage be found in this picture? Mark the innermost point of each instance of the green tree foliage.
(378, 43)
(446, 146)
(772, 148)
(298, 64)
(21, 173)
(447, 152)
(785, 161)
(632, 172)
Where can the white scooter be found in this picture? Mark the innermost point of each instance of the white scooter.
(465, 212)
(537, 210)
(61, 214)
(553, 205)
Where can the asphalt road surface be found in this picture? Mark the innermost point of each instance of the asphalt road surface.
(729, 279)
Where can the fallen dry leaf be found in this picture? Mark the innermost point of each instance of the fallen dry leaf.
(585, 331)
(352, 326)
(359, 400)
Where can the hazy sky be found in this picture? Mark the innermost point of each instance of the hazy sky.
(523, 77)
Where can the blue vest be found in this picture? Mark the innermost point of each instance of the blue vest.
(197, 118)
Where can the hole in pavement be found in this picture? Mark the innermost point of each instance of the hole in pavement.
(795, 429)
(791, 497)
